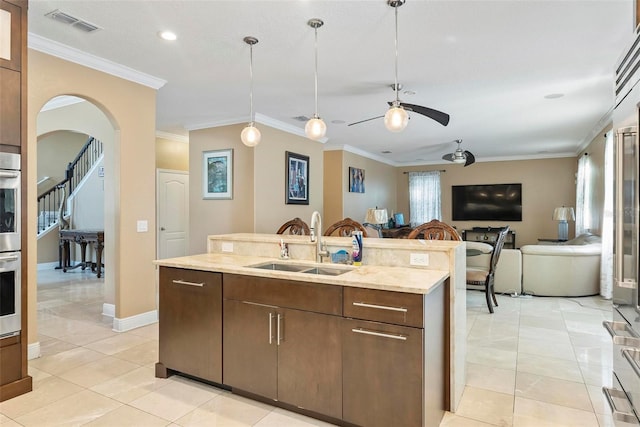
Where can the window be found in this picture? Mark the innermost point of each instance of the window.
(424, 197)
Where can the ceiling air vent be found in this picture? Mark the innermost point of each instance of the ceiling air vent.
(67, 19)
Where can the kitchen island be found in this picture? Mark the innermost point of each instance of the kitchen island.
(368, 345)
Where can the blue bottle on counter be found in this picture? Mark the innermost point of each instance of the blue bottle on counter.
(357, 247)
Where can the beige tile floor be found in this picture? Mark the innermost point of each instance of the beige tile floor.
(535, 362)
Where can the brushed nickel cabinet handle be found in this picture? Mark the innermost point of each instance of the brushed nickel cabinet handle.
(380, 307)
(379, 334)
(270, 328)
(183, 282)
(627, 417)
(626, 353)
(278, 337)
(613, 327)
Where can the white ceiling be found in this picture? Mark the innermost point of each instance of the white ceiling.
(489, 64)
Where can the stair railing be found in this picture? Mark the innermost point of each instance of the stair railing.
(49, 202)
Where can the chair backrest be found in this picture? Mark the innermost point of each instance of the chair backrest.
(345, 227)
(373, 230)
(294, 226)
(497, 248)
(434, 230)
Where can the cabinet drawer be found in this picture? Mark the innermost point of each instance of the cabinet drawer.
(384, 306)
(307, 296)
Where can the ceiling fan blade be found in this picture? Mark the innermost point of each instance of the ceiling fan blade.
(365, 120)
(470, 158)
(438, 116)
(449, 157)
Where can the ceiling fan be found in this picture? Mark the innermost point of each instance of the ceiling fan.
(396, 118)
(460, 155)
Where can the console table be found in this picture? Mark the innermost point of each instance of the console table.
(81, 237)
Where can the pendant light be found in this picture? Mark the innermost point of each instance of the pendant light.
(396, 118)
(250, 135)
(315, 127)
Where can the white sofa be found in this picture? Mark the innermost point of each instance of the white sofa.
(570, 269)
(508, 278)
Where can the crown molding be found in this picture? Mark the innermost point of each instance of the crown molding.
(259, 118)
(604, 121)
(76, 56)
(361, 153)
(172, 136)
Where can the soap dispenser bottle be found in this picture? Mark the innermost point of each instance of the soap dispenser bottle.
(356, 243)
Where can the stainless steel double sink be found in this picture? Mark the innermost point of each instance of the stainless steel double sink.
(303, 268)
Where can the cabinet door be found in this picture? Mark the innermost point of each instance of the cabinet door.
(310, 362)
(11, 47)
(10, 117)
(382, 374)
(250, 347)
(190, 331)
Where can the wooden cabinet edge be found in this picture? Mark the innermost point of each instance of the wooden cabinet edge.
(16, 388)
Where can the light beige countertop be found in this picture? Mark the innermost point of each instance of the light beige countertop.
(397, 279)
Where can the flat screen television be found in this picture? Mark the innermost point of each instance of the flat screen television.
(490, 202)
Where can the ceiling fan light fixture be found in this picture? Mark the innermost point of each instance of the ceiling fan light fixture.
(396, 119)
(250, 135)
(459, 159)
(315, 128)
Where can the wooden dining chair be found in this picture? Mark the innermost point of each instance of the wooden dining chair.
(295, 226)
(434, 230)
(345, 227)
(485, 276)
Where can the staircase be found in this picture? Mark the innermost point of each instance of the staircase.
(49, 203)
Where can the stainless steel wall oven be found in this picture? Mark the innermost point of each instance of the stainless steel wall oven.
(10, 295)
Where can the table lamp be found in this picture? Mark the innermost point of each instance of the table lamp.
(562, 215)
(377, 217)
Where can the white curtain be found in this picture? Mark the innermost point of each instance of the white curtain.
(606, 260)
(583, 196)
(424, 197)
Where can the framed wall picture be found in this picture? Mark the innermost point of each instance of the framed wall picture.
(297, 184)
(356, 180)
(217, 174)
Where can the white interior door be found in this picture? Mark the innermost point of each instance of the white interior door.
(173, 213)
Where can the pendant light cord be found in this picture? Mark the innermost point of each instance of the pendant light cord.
(251, 84)
(316, 76)
(396, 86)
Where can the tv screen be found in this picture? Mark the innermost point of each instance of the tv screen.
(491, 202)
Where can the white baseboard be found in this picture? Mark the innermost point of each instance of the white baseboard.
(128, 323)
(33, 351)
(109, 310)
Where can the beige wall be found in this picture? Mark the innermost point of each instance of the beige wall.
(130, 173)
(379, 184)
(172, 155)
(258, 203)
(546, 184)
(55, 151)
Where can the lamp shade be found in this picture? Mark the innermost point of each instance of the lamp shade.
(377, 216)
(396, 119)
(564, 214)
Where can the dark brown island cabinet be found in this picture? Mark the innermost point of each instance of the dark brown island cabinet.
(351, 356)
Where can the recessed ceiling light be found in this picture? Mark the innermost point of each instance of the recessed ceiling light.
(409, 92)
(337, 122)
(167, 35)
(386, 152)
(554, 95)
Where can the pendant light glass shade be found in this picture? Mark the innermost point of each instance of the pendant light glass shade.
(250, 135)
(396, 119)
(315, 127)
